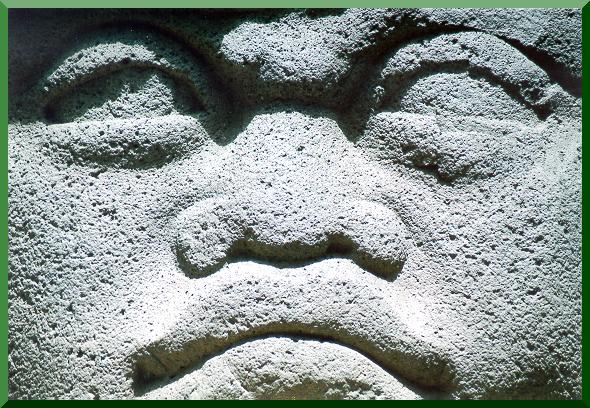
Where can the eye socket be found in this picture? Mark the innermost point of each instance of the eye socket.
(461, 106)
(458, 106)
(133, 98)
(453, 125)
(463, 95)
(128, 93)
(129, 143)
(419, 141)
(134, 118)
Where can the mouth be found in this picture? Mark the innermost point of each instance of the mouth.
(331, 302)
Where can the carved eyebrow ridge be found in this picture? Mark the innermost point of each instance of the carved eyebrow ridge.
(477, 53)
(136, 49)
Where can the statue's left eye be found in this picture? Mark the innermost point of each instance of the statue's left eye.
(464, 105)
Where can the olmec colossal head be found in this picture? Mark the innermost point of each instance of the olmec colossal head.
(295, 204)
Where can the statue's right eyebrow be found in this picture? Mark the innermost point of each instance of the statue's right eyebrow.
(135, 49)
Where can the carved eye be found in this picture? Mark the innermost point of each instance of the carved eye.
(130, 143)
(132, 118)
(418, 141)
(130, 93)
(135, 102)
(461, 100)
(458, 105)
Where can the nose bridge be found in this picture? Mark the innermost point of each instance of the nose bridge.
(294, 160)
(292, 136)
(299, 157)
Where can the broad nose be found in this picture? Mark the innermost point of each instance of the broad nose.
(299, 192)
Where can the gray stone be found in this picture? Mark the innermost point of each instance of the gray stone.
(295, 204)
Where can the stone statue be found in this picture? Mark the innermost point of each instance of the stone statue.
(295, 204)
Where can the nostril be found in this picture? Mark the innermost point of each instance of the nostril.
(340, 245)
(387, 268)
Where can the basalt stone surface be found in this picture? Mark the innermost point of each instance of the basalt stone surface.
(295, 204)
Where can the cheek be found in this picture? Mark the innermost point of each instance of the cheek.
(94, 239)
(474, 237)
(90, 245)
(499, 250)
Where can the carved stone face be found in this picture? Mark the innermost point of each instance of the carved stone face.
(338, 204)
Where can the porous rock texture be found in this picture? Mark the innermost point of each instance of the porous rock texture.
(295, 204)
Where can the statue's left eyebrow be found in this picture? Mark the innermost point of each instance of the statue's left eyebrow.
(475, 52)
(110, 54)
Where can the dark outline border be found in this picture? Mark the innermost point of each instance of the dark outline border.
(6, 4)
(4, 202)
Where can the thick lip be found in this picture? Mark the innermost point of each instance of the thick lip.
(331, 300)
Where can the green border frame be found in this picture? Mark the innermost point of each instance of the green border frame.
(4, 203)
(585, 222)
(294, 3)
(7, 4)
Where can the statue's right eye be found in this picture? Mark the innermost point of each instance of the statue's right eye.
(137, 101)
(132, 118)
(129, 93)
(130, 143)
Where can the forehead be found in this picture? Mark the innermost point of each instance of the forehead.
(311, 55)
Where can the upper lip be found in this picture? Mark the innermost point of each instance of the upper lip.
(332, 300)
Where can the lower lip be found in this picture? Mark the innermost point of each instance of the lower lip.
(288, 368)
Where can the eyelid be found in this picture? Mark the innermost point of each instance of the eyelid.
(476, 52)
(135, 49)
(120, 142)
